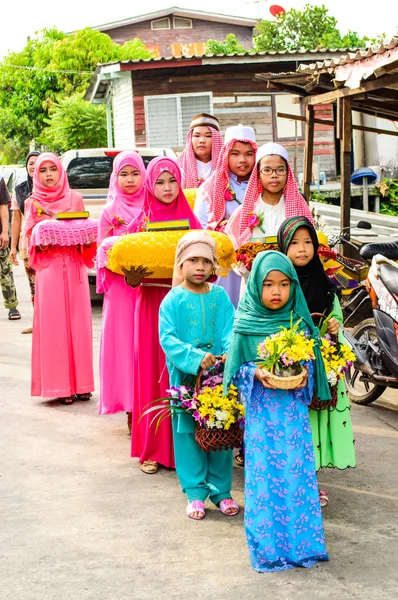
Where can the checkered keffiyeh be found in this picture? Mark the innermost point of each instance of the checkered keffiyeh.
(216, 186)
(295, 206)
(187, 162)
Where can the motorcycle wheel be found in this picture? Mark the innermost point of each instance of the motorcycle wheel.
(363, 392)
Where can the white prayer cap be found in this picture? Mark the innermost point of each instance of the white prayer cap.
(271, 148)
(239, 132)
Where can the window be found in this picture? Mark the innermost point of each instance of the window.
(285, 129)
(93, 172)
(160, 24)
(181, 23)
(168, 117)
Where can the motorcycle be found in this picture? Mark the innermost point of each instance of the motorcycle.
(375, 340)
(348, 274)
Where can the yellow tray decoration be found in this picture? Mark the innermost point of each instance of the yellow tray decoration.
(155, 250)
(190, 195)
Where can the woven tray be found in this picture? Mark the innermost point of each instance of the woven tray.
(155, 250)
(219, 439)
(72, 232)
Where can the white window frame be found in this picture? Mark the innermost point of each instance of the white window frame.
(181, 134)
(161, 28)
(184, 19)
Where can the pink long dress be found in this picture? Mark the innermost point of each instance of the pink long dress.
(151, 376)
(117, 336)
(62, 358)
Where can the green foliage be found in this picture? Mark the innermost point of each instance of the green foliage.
(230, 46)
(75, 123)
(30, 99)
(389, 190)
(317, 196)
(309, 29)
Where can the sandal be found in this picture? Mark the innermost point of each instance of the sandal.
(196, 506)
(228, 504)
(239, 459)
(149, 466)
(27, 330)
(323, 498)
(13, 314)
(67, 400)
(86, 396)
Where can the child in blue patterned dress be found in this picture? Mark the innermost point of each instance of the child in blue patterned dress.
(195, 326)
(283, 521)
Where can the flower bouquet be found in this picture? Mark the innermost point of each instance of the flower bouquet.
(246, 254)
(282, 355)
(219, 419)
(337, 359)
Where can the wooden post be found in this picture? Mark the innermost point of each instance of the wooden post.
(308, 150)
(345, 162)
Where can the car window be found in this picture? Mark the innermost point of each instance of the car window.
(93, 172)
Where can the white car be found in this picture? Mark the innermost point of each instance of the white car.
(89, 172)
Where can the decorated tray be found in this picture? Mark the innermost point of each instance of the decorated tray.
(71, 232)
(156, 251)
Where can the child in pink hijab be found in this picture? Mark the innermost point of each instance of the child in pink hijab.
(164, 201)
(119, 216)
(62, 362)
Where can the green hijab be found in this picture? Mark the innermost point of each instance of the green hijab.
(254, 321)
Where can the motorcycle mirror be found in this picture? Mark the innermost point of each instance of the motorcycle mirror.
(364, 225)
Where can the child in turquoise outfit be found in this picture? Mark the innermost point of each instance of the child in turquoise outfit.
(195, 325)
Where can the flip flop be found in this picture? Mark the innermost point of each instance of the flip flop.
(196, 506)
(67, 400)
(323, 498)
(84, 396)
(14, 314)
(227, 504)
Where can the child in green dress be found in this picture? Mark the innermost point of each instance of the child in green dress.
(331, 428)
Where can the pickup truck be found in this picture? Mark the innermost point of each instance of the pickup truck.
(89, 171)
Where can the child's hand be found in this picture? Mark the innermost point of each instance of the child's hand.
(333, 326)
(135, 275)
(261, 375)
(305, 380)
(224, 358)
(208, 361)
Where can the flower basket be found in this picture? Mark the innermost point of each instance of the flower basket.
(219, 439)
(317, 404)
(286, 383)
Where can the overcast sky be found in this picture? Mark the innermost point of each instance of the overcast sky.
(23, 18)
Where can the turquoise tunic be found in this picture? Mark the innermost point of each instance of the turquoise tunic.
(190, 325)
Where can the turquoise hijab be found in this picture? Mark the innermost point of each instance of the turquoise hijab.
(254, 321)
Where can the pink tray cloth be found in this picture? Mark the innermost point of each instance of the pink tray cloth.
(103, 249)
(71, 232)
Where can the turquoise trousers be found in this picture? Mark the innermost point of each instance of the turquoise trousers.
(202, 474)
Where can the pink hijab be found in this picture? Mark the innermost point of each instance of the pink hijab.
(153, 209)
(57, 199)
(187, 160)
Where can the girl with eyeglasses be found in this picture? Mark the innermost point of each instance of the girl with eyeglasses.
(271, 197)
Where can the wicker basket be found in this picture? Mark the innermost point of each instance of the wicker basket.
(217, 439)
(317, 404)
(286, 383)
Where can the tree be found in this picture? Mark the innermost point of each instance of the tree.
(230, 46)
(35, 81)
(309, 29)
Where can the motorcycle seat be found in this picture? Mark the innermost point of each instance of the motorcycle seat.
(387, 249)
(389, 276)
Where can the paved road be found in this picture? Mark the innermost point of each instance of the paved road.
(80, 521)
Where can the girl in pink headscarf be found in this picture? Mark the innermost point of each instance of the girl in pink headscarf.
(62, 362)
(119, 216)
(203, 145)
(164, 201)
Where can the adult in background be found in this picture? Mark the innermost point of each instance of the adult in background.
(203, 144)
(6, 276)
(18, 242)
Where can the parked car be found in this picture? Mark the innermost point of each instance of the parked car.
(89, 172)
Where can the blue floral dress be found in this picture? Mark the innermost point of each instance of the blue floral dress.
(283, 521)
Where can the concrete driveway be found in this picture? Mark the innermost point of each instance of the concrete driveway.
(80, 521)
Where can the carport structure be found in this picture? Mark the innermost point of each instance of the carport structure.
(364, 80)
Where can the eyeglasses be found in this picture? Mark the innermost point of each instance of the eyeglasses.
(269, 171)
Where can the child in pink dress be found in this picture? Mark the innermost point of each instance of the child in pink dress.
(164, 201)
(119, 216)
(62, 361)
